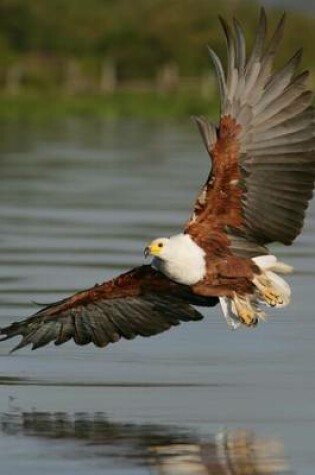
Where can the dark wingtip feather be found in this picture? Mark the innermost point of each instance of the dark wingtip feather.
(207, 131)
(296, 59)
(298, 56)
(240, 46)
(262, 24)
(279, 30)
(259, 40)
(19, 346)
(275, 40)
(220, 75)
(282, 21)
(225, 27)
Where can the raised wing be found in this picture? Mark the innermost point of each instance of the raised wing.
(140, 302)
(263, 151)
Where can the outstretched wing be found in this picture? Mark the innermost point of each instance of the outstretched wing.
(140, 302)
(263, 152)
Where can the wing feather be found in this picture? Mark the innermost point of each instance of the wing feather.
(208, 132)
(230, 57)
(140, 302)
(220, 76)
(240, 47)
(255, 57)
(263, 168)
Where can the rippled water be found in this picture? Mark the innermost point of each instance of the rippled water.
(78, 202)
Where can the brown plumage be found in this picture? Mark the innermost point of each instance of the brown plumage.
(261, 180)
(140, 302)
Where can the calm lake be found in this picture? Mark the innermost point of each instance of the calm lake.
(79, 200)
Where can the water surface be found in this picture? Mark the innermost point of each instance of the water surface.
(79, 200)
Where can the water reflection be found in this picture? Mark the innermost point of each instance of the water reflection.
(165, 450)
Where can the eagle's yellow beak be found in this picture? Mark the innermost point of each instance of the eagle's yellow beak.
(153, 249)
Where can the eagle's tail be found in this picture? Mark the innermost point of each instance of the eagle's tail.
(271, 290)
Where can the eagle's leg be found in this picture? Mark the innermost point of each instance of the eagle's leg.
(272, 289)
(269, 294)
(244, 310)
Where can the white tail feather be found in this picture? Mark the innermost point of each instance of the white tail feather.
(270, 262)
(282, 268)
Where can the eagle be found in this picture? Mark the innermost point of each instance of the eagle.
(261, 179)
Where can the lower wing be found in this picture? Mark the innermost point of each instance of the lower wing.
(140, 302)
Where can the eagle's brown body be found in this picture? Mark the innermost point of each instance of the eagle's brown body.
(261, 180)
(227, 275)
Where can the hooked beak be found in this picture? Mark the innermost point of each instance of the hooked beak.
(153, 249)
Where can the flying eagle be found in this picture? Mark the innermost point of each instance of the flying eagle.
(261, 180)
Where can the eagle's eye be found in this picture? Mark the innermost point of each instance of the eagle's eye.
(160, 244)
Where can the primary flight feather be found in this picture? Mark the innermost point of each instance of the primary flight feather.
(261, 180)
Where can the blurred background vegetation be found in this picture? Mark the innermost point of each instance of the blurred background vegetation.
(116, 58)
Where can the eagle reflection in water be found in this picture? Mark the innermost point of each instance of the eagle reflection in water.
(165, 450)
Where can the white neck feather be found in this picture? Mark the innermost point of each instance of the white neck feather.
(182, 260)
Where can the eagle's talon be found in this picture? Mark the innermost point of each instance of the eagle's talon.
(246, 313)
(271, 297)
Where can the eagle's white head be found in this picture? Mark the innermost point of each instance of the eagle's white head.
(179, 258)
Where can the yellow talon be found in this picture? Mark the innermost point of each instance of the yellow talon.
(245, 311)
(269, 293)
(271, 297)
(247, 317)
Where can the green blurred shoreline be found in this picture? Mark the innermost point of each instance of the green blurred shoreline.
(112, 60)
(118, 105)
